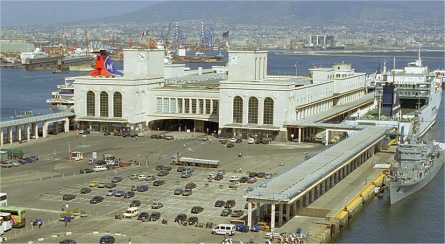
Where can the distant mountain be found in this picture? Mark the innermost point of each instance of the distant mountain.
(288, 13)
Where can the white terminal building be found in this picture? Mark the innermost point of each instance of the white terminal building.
(245, 103)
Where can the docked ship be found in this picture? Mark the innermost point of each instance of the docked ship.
(405, 100)
(415, 166)
(26, 57)
(63, 99)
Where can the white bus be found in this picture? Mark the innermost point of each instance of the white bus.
(3, 199)
(7, 222)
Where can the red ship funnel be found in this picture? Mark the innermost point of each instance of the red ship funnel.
(104, 66)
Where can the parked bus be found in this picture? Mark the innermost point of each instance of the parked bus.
(18, 216)
(7, 225)
(3, 199)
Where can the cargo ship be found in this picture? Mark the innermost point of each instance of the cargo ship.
(415, 166)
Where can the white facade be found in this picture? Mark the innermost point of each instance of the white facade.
(247, 102)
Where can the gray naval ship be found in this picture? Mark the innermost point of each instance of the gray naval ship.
(414, 167)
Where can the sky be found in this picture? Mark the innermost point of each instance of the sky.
(40, 12)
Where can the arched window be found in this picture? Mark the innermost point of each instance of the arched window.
(91, 103)
(103, 104)
(117, 104)
(268, 111)
(237, 110)
(253, 111)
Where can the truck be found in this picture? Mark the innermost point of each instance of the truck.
(185, 161)
(13, 153)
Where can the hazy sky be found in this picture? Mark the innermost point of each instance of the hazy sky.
(19, 12)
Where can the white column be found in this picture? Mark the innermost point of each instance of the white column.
(45, 129)
(280, 220)
(66, 124)
(249, 215)
(299, 135)
(272, 217)
(10, 135)
(288, 211)
(1, 138)
(18, 130)
(36, 130)
(28, 132)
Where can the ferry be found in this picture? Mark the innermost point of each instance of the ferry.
(406, 100)
(25, 57)
(63, 99)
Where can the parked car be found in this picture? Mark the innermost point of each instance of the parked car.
(230, 145)
(192, 220)
(253, 174)
(239, 140)
(158, 182)
(107, 239)
(157, 205)
(117, 179)
(233, 140)
(96, 199)
(234, 184)
(86, 171)
(178, 191)
(268, 176)
(150, 178)
(135, 203)
(163, 173)
(190, 185)
(99, 168)
(110, 185)
(131, 212)
(7, 164)
(93, 183)
(221, 172)
(187, 192)
(261, 175)
(101, 185)
(141, 177)
(68, 197)
(230, 204)
(251, 180)
(197, 209)
(67, 241)
(219, 177)
(85, 190)
(133, 176)
(263, 226)
(234, 178)
(163, 167)
(155, 216)
(169, 138)
(110, 193)
(237, 213)
(181, 218)
(142, 188)
(129, 194)
(250, 141)
(119, 193)
(181, 169)
(143, 216)
(226, 212)
(243, 179)
(220, 203)
(29, 160)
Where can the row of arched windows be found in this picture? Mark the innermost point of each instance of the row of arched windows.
(103, 104)
(252, 113)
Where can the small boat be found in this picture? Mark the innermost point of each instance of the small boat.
(22, 114)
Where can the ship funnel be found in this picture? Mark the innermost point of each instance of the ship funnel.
(104, 65)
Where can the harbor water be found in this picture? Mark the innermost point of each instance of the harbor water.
(416, 219)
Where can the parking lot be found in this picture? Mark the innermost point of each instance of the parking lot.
(40, 186)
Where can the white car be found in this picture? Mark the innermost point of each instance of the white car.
(99, 168)
(251, 141)
(233, 140)
(234, 178)
(142, 177)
